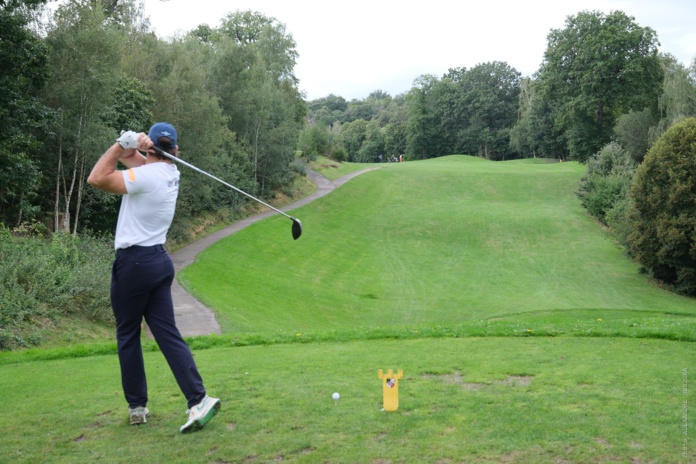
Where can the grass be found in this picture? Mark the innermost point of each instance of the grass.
(476, 400)
(524, 334)
(446, 241)
(333, 169)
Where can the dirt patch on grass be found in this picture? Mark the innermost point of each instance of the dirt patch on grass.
(457, 378)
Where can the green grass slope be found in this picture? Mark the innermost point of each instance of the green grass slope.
(443, 241)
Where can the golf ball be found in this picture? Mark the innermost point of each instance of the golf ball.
(335, 396)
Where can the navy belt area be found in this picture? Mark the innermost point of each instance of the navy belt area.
(138, 248)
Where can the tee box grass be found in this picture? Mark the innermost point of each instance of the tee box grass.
(476, 400)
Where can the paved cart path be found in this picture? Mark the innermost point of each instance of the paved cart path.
(192, 317)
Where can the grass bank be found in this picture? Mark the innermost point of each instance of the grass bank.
(444, 241)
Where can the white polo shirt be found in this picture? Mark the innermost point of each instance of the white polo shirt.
(148, 208)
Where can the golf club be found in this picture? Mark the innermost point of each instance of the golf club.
(296, 224)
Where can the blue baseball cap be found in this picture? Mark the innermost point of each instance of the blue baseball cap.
(163, 129)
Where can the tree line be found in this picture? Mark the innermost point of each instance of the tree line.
(73, 82)
(601, 79)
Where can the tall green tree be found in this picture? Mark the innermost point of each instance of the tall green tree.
(423, 118)
(678, 98)
(487, 98)
(129, 110)
(394, 130)
(253, 77)
(595, 69)
(353, 135)
(315, 140)
(634, 131)
(521, 140)
(373, 145)
(24, 71)
(84, 61)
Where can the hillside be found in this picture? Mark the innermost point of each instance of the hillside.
(441, 241)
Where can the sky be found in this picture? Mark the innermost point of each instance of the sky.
(352, 48)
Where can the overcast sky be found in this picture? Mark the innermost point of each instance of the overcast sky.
(351, 48)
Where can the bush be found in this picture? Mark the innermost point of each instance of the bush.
(634, 132)
(606, 181)
(339, 154)
(616, 219)
(662, 215)
(42, 279)
(599, 195)
(300, 167)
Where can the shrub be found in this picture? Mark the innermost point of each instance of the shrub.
(300, 167)
(634, 132)
(662, 215)
(46, 278)
(599, 195)
(617, 220)
(339, 154)
(606, 181)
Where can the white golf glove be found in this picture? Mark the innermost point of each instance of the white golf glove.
(128, 139)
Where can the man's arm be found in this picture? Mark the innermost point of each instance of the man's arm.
(132, 160)
(104, 175)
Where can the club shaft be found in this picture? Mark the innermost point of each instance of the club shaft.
(191, 166)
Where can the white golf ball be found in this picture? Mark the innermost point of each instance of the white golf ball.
(336, 396)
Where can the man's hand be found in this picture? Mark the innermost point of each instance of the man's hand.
(132, 158)
(128, 140)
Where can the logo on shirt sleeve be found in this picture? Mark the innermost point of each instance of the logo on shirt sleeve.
(131, 175)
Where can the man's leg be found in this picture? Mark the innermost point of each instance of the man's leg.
(128, 300)
(159, 315)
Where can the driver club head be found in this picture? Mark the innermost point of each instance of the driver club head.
(296, 228)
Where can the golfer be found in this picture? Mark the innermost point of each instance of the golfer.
(143, 272)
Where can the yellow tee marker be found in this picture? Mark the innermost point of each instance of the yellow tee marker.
(390, 388)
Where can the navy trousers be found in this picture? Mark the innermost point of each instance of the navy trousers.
(141, 280)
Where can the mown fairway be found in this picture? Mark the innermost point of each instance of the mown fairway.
(434, 242)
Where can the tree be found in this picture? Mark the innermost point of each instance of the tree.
(373, 145)
(393, 120)
(607, 180)
(521, 140)
(23, 117)
(594, 70)
(129, 110)
(678, 98)
(253, 65)
(331, 103)
(633, 131)
(423, 119)
(353, 134)
(268, 38)
(315, 141)
(84, 49)
(487, 98)
(662, 217)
